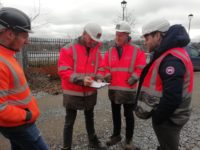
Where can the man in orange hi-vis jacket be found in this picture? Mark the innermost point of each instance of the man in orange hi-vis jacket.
(18, 108)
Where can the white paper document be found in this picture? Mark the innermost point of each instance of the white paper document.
(99, 84)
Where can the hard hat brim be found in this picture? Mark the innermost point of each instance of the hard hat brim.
(22, 29)
(95, 39)
(30, 31)
(124, 31)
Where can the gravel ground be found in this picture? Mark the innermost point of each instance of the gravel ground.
(51, 124)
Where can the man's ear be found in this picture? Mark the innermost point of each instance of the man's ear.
(6, 36)
(129, 38)
(9, 34)
(158, 36)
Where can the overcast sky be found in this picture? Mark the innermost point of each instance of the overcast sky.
(66, 18)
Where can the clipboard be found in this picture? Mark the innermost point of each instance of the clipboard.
(99, 84)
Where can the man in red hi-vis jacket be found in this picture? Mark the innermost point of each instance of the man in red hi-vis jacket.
(79, 64)
(123, 64)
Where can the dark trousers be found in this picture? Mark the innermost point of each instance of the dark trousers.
(168, 135)
(128, 114)
(26, 138)
(69, 123)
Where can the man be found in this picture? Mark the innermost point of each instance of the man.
(124, 63)
(79, 65)
(166, 82)
(18, 108)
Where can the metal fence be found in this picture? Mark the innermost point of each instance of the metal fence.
(44, 51)
(41, 52)
(42, 58)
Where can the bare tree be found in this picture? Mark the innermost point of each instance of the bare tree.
(36, 17)
(129, 17)
(36, 12)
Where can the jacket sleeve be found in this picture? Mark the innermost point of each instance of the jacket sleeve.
(172, 72)
(107, 73)
(8, 113)
(140, 63)
(66, 64)
(100, 69)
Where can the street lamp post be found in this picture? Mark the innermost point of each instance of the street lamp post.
(123, 3)
(190, 16)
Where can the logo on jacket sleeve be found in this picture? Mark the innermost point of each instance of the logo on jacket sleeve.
(170, 70)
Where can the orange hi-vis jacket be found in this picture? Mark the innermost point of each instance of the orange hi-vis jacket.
(129, 65)
(15, 95)
(74, 61)
(152, 87)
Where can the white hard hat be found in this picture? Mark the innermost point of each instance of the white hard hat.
(123, 26)
(94, 30)
(160, 24)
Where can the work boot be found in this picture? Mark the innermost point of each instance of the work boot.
(95, 143)
(130, 146)
(66, 148)
(114, 140)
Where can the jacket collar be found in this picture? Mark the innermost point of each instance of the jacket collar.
(6, 51)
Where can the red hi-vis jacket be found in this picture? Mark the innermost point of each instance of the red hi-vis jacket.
(74, 61)
(129, 65)
(15, 95)
(152, 88)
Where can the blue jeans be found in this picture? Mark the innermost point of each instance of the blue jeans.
(26, 138)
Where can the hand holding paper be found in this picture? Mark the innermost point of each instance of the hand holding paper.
(87, 81)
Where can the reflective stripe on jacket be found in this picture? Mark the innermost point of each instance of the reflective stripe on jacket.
(152, 87)
(15, 95)
(74, 61)
(129, 65)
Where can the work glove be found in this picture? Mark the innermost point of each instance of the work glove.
(132, 80)
(79, 80)
(108, 78)
(28, 115)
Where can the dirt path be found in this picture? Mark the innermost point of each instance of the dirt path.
(52, 119)
(196, 92)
